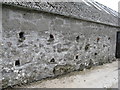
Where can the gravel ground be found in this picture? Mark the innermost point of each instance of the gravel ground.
(105, 76)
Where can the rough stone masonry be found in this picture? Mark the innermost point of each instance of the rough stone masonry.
(47, 39)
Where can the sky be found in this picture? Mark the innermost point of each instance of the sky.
(113, 4)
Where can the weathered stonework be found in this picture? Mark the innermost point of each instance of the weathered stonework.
(38, 45)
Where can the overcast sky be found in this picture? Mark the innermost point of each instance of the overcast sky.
(110, 3)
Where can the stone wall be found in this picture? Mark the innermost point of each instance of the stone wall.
(38, 45)
(0, 45)
(85, 10)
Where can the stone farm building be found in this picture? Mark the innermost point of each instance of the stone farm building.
(47, 39)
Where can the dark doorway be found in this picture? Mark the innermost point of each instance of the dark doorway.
(118, 45)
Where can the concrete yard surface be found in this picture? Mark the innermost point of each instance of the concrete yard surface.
(105, 76)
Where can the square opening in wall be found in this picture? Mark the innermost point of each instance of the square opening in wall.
(17, 63)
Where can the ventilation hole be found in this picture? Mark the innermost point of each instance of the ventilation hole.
(51, 37)
(64, 59)
(17, 63)
(21, 36)
(109, 38)
(98, 39)
(77, 39)
(87, 47)
(104, 45)
(95, 53)
(52, 60)
(77, 57)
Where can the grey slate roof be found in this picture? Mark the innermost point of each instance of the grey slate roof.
(86, 10)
